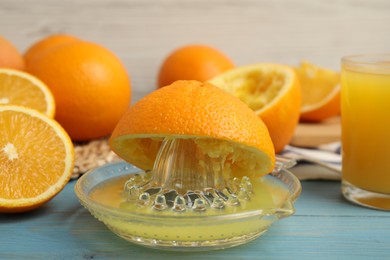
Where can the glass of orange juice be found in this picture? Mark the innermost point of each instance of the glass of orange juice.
(365, 120)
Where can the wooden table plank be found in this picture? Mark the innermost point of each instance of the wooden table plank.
(315, 134)
(325, 226)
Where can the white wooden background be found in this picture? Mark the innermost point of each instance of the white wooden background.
(143, 32)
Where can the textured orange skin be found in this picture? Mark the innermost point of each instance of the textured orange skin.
(193, 62)
(194, 109)
(283, 117)
(10, 56)
(45, 45)
(90, 85)
(330, 109)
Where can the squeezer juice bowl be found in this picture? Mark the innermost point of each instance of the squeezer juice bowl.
(186, 204)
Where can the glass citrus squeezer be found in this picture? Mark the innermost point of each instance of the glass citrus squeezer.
(200, 187)
(179, 205)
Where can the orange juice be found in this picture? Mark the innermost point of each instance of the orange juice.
(365, 113)
(270, 193)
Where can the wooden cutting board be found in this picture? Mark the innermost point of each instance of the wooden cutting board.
(314, 134)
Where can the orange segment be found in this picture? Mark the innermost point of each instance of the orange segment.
(20, 88)
(220, 125)
(193, 62)
(36, 158)
(320, 92)
(272, 91)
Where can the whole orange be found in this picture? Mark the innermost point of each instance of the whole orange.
(193, 62)
(10, 56)
(90, 85)
(44, 45)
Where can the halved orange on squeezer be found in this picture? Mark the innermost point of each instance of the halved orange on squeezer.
(205, 158)
(193, 136)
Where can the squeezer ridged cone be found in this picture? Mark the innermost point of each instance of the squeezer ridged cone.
(185, 179)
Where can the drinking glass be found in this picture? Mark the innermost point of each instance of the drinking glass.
(365, 121)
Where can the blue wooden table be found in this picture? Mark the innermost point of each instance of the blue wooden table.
(325, 226)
